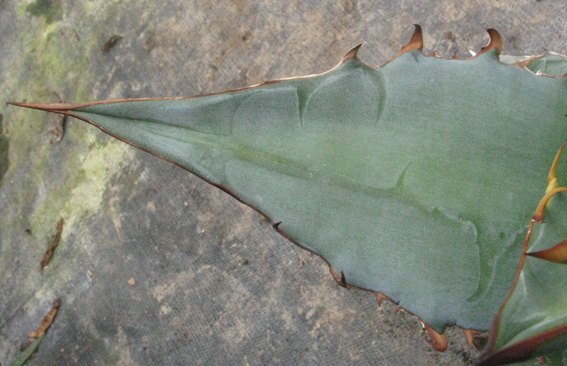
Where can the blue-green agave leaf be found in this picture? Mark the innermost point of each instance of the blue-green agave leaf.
(532, 321)
(23, 357)
(416, 179)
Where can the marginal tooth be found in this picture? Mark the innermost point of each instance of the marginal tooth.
(338, 279)
(381, 297)
(556, 254)
(353, 53)
(438, 341)
(469, 335)
(495, 42)
(552, 178)
(416, 41)
(540, 210)
(551, 188)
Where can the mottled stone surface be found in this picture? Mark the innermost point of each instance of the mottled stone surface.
(214, 283)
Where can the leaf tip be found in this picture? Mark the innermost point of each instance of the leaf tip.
(556, 254)
(48, 107)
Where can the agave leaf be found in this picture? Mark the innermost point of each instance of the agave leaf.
(23, 357)
(416, 179)
(533, 319)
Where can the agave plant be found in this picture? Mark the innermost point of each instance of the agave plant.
(422, 180)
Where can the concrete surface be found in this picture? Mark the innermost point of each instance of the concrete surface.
(213, 283)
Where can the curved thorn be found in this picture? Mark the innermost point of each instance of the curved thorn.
(556, 254)
(438, 341)
(469, 335)
(340, 280)
(495, 42)
(416, 41)
(353, 53)
(540, 210)
(552, 178)
(336, 277)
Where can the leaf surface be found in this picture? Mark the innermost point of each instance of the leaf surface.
(533, 319)
(416, 179)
